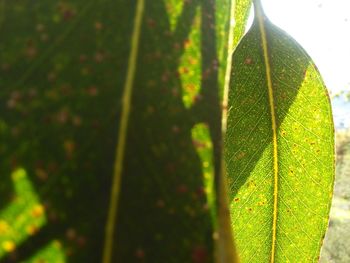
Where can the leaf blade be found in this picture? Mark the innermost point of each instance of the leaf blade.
(258, 153)
(78, 77)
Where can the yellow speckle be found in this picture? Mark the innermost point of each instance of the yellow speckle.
(69, 148)
(4, 226)
(240, 155)
(18, 174)
(207, 175)
(38, 210)
(31, 230)
(205, 164)
(57, 244)
(8, 246)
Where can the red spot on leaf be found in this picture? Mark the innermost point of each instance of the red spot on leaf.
(140, 253)
(248, 61)
(199, 254)
(200, 191)
(151, 23)
(82, 58)
(81, 241)
(99, 57)
(181, 189)
(160, 203)
(92, 91)
(98, 25)
(71, 234)
(41, 174)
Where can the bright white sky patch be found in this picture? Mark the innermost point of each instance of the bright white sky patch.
(322, 27)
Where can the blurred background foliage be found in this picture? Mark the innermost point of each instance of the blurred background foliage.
(62, 73)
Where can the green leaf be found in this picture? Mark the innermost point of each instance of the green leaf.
(241, 14)
(62, 72)
(279, 148)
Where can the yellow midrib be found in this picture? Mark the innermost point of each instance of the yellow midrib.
(260, 16)
(122, 135)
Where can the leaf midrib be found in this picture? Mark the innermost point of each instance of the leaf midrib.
(261, 17)
(122, 135)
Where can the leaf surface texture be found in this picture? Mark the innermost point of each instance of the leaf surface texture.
(279, 148)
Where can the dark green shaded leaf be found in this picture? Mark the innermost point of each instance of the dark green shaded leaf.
(63, 71)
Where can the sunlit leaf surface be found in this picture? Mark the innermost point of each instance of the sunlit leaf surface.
(23, 217)
(279, 148)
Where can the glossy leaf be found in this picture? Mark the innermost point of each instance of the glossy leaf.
(279, 148)
(92, 89)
